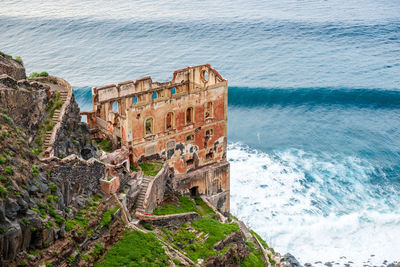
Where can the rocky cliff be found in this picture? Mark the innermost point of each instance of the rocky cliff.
(54, 213)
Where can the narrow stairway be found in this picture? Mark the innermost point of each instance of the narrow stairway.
(55, 119)
(142, 194)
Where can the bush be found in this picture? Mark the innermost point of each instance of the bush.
(19, 59)
(9, 170)
(36, 74)
(3, 192)
(148, 226)
(98, 250)
(106, 219)
(35, 171)
(8, 119)
(3, 159)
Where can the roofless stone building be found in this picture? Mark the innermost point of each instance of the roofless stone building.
(182, 122)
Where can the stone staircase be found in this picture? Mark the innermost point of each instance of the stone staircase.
(142, 195)
(55, 119)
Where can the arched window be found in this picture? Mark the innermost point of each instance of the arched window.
(135, 100)
(115, 106)
(173, 91)
(170, 121)
(148, 126)
(209, 110)
(189, 115)
(154, 96)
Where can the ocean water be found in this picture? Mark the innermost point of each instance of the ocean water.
(314, 101)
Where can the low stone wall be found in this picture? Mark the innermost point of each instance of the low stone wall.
(173, 221)
(156, 189)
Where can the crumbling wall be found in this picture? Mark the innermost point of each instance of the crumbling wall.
(156, 189)
(211, 181)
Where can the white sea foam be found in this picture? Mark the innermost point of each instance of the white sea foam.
(317, 207)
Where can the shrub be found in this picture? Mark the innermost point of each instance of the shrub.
(22, 263)
(49, 224)
(3, 159)
(19, 59)
(35, 171)
(36, 74)
(148, 226)
(2, 230)
(8, 119)
(9, 170)
(106, 219)
(71, 259)
(53, 187)
(97, 251)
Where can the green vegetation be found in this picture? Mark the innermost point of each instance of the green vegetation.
(263, 243)
(3, 192)
(194, 245)
(105, 145)
(53, 187)
(36, 74)
(19, 59)
(16, 87)
(185, 205)
(2, 230)
(215, 229)
(148, 227)
(3, 159)
(9, 170)
(35, 171)
(98, 250)
(151, 168)
(135, 249)
(254, 259)
(133, 168)
(204, 209)
(271, 260)
(106, 219)
(8, 119)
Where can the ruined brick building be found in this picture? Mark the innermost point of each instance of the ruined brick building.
(183, 121)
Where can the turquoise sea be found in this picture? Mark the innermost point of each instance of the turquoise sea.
(314, 101)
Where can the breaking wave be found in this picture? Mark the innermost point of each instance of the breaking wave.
(319, 207)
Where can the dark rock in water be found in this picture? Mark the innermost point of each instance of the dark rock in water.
(291, 260)
(308, 265)
(328, 264)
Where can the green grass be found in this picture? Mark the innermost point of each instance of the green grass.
(106, 219)
(150, 168)
(135, 249)
(105, 145)
(205, 210)
(185, 205)
(193, 246)
(254, 259)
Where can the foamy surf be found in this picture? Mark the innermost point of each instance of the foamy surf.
(321, 208)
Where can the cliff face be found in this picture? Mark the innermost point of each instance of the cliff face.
(11, 67)
(38, 197)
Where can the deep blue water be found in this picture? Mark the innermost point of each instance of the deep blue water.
(314, 101)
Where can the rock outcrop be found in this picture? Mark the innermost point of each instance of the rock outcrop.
(11, 67)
